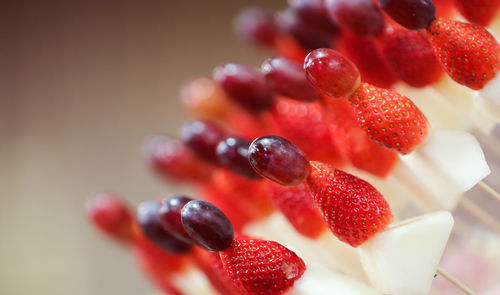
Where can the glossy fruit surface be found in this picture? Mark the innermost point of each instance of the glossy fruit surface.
(172, 159)
(244, 85)
(207, 225)
(331, 73)
(261, 267)
(149, 220)
(203, 136)
(279, 160)
(389, 118)
(111, 215)
(288, 78)
(360, 17)
(170, 217)
(411, 14)
(468, 52)
(353, 209)
(232, 152)
(256, 26)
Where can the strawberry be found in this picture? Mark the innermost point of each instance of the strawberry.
(468, 53)
(480, 12)
(353, 142)
(157, 264)
(261, 267)
(444, 8)
(304, 124)
(353, 209)
(210, 263)
(297, 205)
(249, 194)
(368, 57)
(389, 118)
(411, 56)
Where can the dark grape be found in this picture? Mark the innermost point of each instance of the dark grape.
(279, 160)
(149, 221)
(256, 25)
(305, 34)
(314, 12)
(411, 14)
(287, 77)
(170, 217)
(232, 152)
(244, 85)
(207, 225)
(331, 73)
(202, 136)
(111, 215)
(361, 17)
(171, 158)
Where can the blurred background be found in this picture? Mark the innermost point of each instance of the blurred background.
(82, 85)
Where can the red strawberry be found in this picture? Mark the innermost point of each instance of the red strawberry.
(296, 203)
(389, 118)
(468, 53)
(480, 12)
(210, 263)
(368, 57)
(411, 56)
(251, 195)
(353, 209)
(157, 264)
(304, 124)
(353, 142)
(261, 267)
(444, 8)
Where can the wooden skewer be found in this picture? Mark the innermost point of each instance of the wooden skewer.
(455, 281)
(489, 190)
(480, 214)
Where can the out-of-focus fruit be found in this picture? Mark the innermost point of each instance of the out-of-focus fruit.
(314, 12)
(170, 217)
(256, 26)
(411, 14)
(203, 136)
(204, 99)
(360, 17)
(232, 152)
(480, 12)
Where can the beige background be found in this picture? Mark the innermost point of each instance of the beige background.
(82, 85)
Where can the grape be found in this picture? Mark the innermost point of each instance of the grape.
(278, 160)
(305, 34)
(207, 225)
(171, 158)
(232, 152)
(202, 136)
(411, 14)
(204, 98)
(111, 215)
(256, 25)
(361, 17)
(331, 73)
(244, 85)
(314, 13)
(149, 221)
(287, 77)
(170, 217)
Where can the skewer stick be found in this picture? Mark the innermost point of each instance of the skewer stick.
(455, 281)
(480, 214)
(489, 190)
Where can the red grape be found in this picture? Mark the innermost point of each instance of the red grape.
(232, 152)
(202, 136)
(288, 78)
(244, 85)
(361, 17)
(278, 160)
(170, 217)
(331, 73)
(314, 12)
(411, 14)
(256, 25)
(207, 225)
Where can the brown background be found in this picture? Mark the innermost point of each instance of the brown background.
(82, 85)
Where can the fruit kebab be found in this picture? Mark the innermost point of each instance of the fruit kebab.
(394, 122)
(358, 215)
(246, 265)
